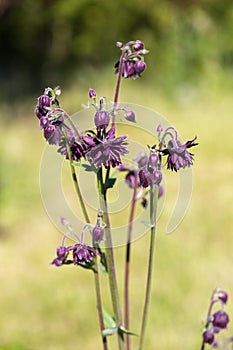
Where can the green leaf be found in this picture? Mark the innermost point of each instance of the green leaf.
(111, 180)
(122, 330)
(109, 320)
(103, 261)
(86, 167)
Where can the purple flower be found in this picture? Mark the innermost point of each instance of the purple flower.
(130, 116)
(208, 337)
(139, 66)
(83, 254)
(62, 253)
(102, 120)
(220, 319)
(107, 150)
(144, 177)
(44, 101)
(76, 149)
(131, 179)
(138, 45)
(98, 234)
(92, 93)
(178, 156)
(223, 296)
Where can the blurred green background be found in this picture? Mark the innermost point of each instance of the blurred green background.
(189, 81)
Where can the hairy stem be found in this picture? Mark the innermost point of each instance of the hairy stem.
(153, 215)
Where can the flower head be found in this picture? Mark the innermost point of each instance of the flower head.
(178, 154)
(132, 60)
(220, 319)
(106, 150)
(208, 337)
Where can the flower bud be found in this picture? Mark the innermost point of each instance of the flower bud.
(43, 122)
(40, 112)
(98, 234)
(159, 128)
(92, 93)
(140, 66)
(48, 132)
(138, 45)
(153, 160)
(220, 319)
(61, 252)
(157, 175)
(144, 177)
(44, 101)
(128, 69)
(223, 296)
(102, 120)
(208, 337)
(130, 116)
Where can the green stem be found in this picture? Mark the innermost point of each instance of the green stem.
(110, 256)
(127, 263)
(99, 304)
(96, 273)
(153, 215)
(75, 181)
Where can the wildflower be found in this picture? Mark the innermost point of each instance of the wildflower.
(133, 59)
(178, 156)
(102, 120)
(220, 319)
(223, 296)
(62, 253)
(208, 337)
(92, 93)
(130, 116)
(131, 179)
(106, 150)
(83, 254)
(98, 230)
(138, 45)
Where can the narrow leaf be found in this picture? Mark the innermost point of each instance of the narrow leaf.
(109, 319)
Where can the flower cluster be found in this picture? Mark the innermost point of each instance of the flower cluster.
(99, 148)
(80, 254)
(145, 173)
(216, 321)
(177, 154)
(133, 64)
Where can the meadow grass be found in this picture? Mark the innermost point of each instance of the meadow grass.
(43, 307)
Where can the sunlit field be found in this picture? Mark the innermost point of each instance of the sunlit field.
(43, 307)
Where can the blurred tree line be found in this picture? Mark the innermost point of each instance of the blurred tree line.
(44, 41)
